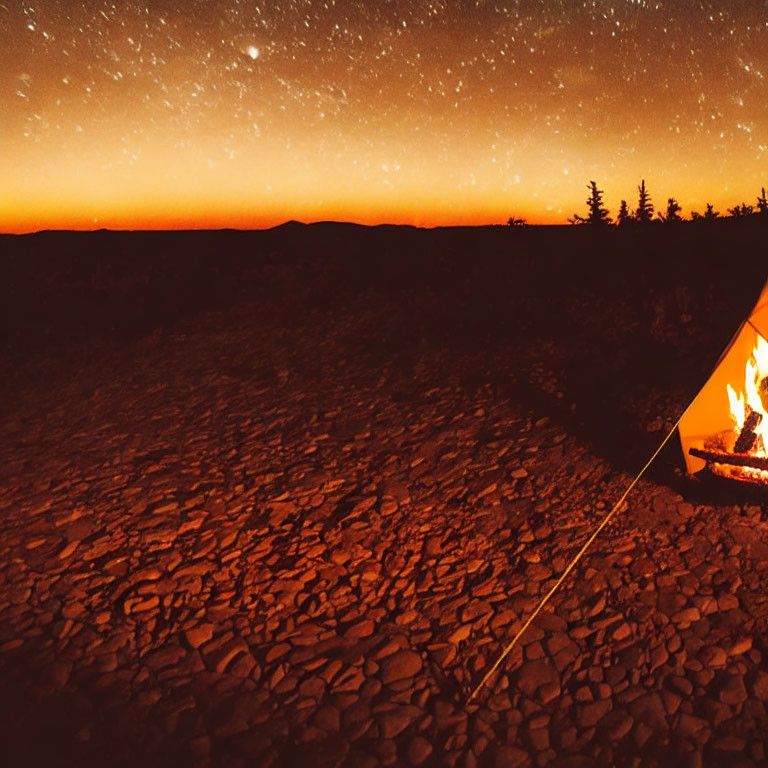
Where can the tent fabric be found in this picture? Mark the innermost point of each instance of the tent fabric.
(709, 413)
(759, 316)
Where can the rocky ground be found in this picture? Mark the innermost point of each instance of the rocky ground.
(298, 530)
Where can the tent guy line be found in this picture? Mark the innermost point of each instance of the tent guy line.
(573, 562)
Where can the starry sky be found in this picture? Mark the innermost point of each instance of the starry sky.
(247, 113)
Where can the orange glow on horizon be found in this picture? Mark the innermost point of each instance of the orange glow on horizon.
(225, 114)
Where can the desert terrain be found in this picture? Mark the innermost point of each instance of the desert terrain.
(281, 498)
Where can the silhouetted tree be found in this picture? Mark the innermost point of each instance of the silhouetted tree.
(762, 202)
(673, 211)
(597, 214)
(741, 211)
(514, 222)
(709, 214)
(644, 212)
(624, 217)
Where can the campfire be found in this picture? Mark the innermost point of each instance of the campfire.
(725, 429)
(740, 453)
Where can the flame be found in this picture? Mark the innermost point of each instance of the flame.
(737, 407)
(741, 403)
(745, 402)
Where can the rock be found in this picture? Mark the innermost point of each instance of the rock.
(715, 712)
(277, 651)
(538, 572)
(418, 750)
(400, 665)
(681, 684)
(549, 692)
(507, 756)
(591, 713)
(359, 630)
(433, 546)
(671, 603)
(218, 659)
(648, 708)
(617, 724)
(727, 602)
(641, 734)
(713, 656)
(503, 618)
(659, 656)
(133, 605)
(386, 751)
(462, 633)
(388, 506)
(595, 606)
(443, 653)
(691, 727)
(566, 656)
(536, 674)
(394, 722)
(350, 681)
(742, 645)
(199, 635)
(622, 632)
(168, 656)
(685, 509)
(760, 685)
(327, 718)
(69, 549)
(672, 701)
(474, 610)
(539, 741)
(615, 674)
(732, 690)
(355, 715)
(686, 617)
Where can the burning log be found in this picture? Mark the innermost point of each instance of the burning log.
(731, 459)
(747, 436)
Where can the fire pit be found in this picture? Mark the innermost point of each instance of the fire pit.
(725, 429)
(740, 453)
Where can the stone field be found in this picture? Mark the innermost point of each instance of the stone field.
(298, 531)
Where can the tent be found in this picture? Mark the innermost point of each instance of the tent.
(715, 419)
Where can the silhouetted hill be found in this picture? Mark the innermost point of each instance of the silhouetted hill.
(60, 287)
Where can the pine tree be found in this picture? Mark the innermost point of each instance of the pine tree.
(710, 213)
(644, 212)
(673, 211)
(597, 214)
(624, 217)
(762, 202)
(741, 211)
